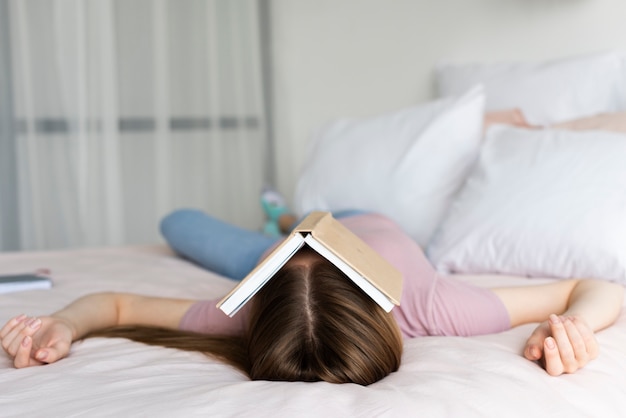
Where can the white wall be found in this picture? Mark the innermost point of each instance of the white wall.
(336, 58)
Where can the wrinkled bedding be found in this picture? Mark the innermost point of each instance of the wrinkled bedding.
(439, 377)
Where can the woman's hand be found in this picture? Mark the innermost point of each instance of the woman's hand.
(562, 344)
(36, 341)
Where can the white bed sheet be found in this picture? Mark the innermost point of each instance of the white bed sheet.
(439, 377)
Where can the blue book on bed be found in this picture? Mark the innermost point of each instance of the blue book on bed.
(19, 282)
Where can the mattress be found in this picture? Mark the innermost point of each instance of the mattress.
(439, 377)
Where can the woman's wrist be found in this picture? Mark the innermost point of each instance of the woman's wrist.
(73, 327)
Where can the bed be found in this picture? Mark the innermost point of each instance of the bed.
(439, 376)
(547, 193)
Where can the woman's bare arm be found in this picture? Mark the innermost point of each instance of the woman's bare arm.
(598, 301)
(35, 341)
(103, 310)
(569, 312)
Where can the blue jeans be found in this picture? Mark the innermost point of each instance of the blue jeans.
(216, 245)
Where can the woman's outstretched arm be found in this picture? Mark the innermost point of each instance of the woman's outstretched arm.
(36, 341)
(569, 312)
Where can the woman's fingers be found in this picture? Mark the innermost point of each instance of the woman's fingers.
(534, 345)
(577, 342)
(10, 325)
(10, 332)
(588, 336)
(22, 357)
(13, 338)
(552, 358)
(571, 346)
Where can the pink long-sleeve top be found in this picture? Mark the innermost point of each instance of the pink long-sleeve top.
(431, 304)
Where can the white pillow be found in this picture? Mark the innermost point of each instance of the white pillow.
(540, 203)
(546, 92)
(406, 165)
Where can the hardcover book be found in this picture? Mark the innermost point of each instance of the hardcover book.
(331, 239)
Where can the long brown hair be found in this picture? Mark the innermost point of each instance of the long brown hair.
(306, 324)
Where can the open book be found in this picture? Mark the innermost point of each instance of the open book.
(324, 234)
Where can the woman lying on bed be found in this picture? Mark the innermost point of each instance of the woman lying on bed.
(311, 323)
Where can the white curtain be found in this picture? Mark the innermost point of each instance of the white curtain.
(125, 110)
